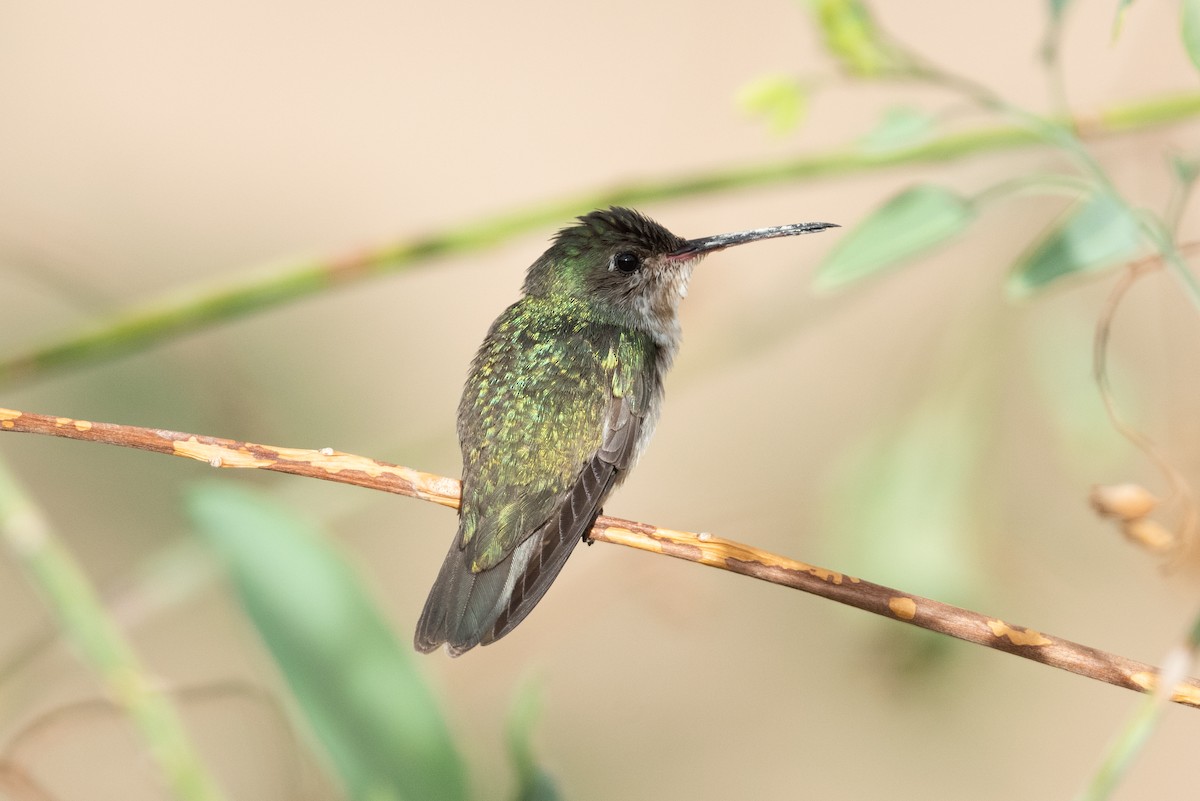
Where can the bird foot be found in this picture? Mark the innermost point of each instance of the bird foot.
(586, 539)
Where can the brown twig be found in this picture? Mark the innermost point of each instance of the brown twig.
(705, 549)
(1180, 489)
(22, 786)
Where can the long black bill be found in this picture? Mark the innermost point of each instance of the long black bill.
(708, 244)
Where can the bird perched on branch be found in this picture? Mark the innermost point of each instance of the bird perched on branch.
(561, 400)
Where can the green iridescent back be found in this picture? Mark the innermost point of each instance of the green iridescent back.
(533, 412)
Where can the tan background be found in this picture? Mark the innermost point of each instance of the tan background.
(146, 147)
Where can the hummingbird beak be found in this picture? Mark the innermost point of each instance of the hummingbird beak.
(695, 248)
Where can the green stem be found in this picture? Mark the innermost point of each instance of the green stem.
(55, 573)
(1052, 62)
(1065, 138)
(1123, 751)
(141, 327)
(1178, 200)
(1161, 239)
(1037, 183)
(1128, 745)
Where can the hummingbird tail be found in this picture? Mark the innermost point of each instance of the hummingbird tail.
(466, 609)
(461, 604)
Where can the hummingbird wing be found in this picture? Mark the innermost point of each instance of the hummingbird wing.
(554, 541)
(540, 456)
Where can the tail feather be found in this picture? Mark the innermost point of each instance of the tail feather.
(556, 540)
(450, 592)
(463, 606)
(466, 609)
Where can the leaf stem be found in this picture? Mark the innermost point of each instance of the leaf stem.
(142, 326)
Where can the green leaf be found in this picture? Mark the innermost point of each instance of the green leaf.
(907, 506)
(1184, 168)
(533, 783)
(1057, 7)
(1081, 434)
(901, 127)
(1190, 29)
(1094, 234)
(852, 38)
(358, 687)
(781, 100)
(1119, 19)
(913, 222)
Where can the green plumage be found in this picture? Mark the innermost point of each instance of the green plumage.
(561, 399)
(533, 412)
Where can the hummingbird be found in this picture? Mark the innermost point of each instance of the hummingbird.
(559, 404)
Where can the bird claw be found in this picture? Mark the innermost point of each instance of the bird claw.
(586, 539)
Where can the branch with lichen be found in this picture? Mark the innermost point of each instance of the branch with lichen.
(705, 549)
(141, 327)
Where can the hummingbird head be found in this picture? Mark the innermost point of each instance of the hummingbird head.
(629, 269)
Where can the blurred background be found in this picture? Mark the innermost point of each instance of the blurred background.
(921, 429)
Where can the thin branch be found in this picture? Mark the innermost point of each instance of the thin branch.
(706, 549)
(1124, 749)
(20, 785)
(140, 327)
(1181, 491)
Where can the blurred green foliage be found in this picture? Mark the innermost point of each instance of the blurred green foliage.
(357, 685)
(852, 37)
(905, 500)
(533, 783)
(908, 225)
(781, 100)
(1095, 234)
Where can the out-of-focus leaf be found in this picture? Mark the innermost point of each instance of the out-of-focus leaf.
(1185, 168)
(358, 686)
(533, 783)
(852, 38)
(911, 223)
(901, 126)
(1190, 28)
(1053, 39)
(1119, 18)
(906, 508)
(1059, 346)
(1094, 234)
(1057, 7)
(781, 100)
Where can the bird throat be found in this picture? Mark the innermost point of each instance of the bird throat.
(659, 305)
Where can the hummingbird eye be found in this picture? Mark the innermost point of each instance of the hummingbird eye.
(627, 262)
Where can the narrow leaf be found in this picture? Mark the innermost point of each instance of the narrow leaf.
(82, 617)
(533, 783)
(1119, 18)
(852, 37)
(1190, 29)
(907, 506)
(1184, 168)
(358, 686)
(901, 127)
(1057, 7)
(780, 100)
(1094, 234)
(913, 222)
